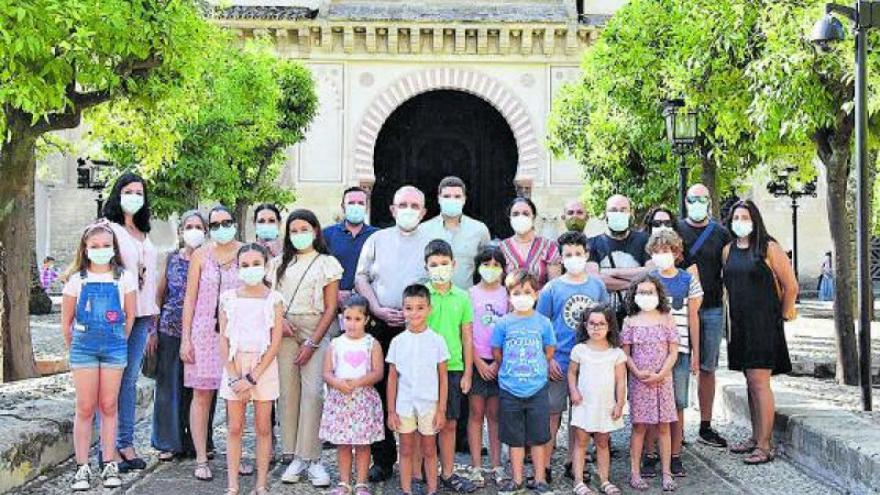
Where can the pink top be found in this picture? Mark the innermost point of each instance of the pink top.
(489, 306)
(249, 321)
(140, 258)
(541, 254)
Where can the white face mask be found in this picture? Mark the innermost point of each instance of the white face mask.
(521, 224)
(663, 261)
(575, 264)
(698, 211)
(131, 203)
(193, 237)
(741, 228)
(647, 302)
(522, 302)
(407, 218)
(661, 228)
(490, 274)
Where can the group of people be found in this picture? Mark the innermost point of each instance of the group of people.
(369, 338)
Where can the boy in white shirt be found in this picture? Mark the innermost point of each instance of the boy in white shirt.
(417, 387)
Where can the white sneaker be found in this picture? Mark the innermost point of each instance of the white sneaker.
(82, 480)
(110, 476)
(318, 475)
(499, 474)
(294, 471)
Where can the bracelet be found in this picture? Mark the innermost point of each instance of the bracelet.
(312, 344)
(232, 381)
(250, 379)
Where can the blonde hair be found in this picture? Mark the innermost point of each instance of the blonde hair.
(81, 260)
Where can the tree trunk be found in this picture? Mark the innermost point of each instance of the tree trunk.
(40, 303)
(240, 212)
(17, 169)
(709, 178)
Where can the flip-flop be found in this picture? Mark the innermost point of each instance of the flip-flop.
(759, 456)
(201, 469)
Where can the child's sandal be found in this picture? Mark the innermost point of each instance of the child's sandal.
(637, 482)
(669, 484)
(203, 472)
(361, 489)
(582, 489)
(608, 488)
(341, 489)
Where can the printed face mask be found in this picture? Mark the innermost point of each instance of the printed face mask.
(522, 302)
(223, 234)
(575, 224)
(662, 228)
(490, 274)
(617, 221)
(100, 256)
(663, 261)
(252, 275)
(193, 237)
(451, 207)
(355, 213)
(302, 240)
(741, 228)
(407, 218)
(440, 274)
(131, 203)
(698, 211)
(575, 264)
(267, 231)
(647, 302)
(521, 224)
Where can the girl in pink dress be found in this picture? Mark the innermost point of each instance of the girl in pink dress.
(650, 341)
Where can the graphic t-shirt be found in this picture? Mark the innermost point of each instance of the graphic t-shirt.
(489, 306)
(522, 340)
(681, 289)
(563, 302)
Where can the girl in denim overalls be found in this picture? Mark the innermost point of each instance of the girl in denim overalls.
(97, 314)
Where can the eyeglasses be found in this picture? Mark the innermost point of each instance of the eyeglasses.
(698, 199)
(661, 223)
(223, 223)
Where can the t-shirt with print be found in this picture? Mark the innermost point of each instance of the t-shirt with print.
(708, 258)
(489, 306)
(126, 283)
(416, 356)
(626, 253)
(681, 289)
(449, 311)
(563, 302)
(522, 340)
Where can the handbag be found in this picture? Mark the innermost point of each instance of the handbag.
(287, 329)
(150, 364)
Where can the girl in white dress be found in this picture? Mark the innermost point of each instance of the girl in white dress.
(598, 394)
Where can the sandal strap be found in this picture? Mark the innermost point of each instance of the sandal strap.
(609, 488)
(582, 489)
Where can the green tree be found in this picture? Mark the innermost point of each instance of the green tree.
(59, 58)
(228, 144)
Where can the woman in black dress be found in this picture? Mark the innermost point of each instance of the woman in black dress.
(761, 288)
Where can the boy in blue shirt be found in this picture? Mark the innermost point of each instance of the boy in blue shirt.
(523, 344)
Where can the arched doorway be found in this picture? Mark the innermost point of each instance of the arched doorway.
(440, 133)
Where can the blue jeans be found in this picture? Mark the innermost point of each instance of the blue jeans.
(711, 333)
(681, 377)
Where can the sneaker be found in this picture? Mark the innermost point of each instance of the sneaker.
(294, 471)
(457, 484)
(677, 467)
(82, 480)
(711, 437)
(475, 474)
(543, 488)
(509, 487)
(499, 475)
(318, 475)
(649, 466)
(110, 475)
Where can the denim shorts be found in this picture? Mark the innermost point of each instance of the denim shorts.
(681, 379)
(100, 346)
(711, 333)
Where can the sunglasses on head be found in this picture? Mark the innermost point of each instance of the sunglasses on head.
(661, 223)
(698, 199)
(222, 223)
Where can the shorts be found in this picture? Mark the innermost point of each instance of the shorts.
(268, 385)
(99, 346)
(424, 423)
(711, 333)
(481, 387)
(557, 393)
(524, 421)
(454, 397)
(681, 379)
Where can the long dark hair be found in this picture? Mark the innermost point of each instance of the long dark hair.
(492, 252)
(649, 217)
(759, 239)
(267, 206)
(610, 317)
(289, 252)
(113, 209)
(633, 308)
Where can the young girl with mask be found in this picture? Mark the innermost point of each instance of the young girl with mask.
(97, 315)
(650, 341)
(250, 336)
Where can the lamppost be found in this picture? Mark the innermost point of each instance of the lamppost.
(864, 14)
(681, 130)
(89, 176)
(784, 186)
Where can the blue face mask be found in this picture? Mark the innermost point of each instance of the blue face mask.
(223, 234)
(100, 256)
(267, 231)
(252, 275)
(451, 207)
(302, 240)
(355, 213)
(617, 221)
(698, 211)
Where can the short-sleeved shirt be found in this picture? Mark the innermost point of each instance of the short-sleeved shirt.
(627, 253)
(416, 356)
(126, 283)
(311, 272)
(681, 289)
(466, 241)
(563, 302)
(449, 311)
(391, 260)
(522, 340)
(140, 255)
(541, 254)
(489, 306)
(346, 248)
(708, 258)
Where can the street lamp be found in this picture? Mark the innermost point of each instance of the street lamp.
(681, 130)
(89, 175)
(864, 14)
(784, 186)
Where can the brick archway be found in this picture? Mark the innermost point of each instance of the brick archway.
(467, 80)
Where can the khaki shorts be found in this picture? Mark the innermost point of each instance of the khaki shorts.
(424, 423)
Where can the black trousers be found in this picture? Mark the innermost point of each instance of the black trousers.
(384, 452)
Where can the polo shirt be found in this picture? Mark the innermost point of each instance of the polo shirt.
(466, 241)
(449, 311)
(346, 248)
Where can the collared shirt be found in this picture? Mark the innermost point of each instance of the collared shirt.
(415, 356)
(346, 248)
(391, 260)
(466, 241)
(449, 311)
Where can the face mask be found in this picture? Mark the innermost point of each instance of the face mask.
(131, 203)
(662, 228)
(741, 228)
(440, 274)
(223, 234)
(302, 240)
(252, 275)
(522, 302)
(647, 302)
(407, 219)
(698, 211)
(521, 224)
(355, 213)
(575, 264)
(617, 221)
(451, 207)
(100, 256)
(663, 261)
(267, 231)
(490, 274)
(193, 237)
(575, 224)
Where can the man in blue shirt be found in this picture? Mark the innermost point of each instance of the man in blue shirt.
(345, 240)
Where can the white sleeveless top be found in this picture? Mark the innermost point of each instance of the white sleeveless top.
(352, 358)
(249, 321)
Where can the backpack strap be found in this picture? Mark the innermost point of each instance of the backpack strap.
(704, 236)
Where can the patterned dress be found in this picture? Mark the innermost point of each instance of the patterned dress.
(650, 404)
(541, 254)
(171, 320)
(205, 372)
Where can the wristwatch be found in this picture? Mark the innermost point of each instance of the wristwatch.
(232, 381)
(311, 343)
